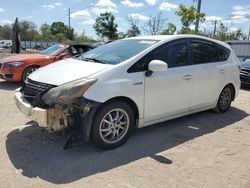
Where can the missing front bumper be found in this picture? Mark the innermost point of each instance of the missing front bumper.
(52, 119)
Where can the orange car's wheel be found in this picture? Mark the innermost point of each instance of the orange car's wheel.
(28, 71)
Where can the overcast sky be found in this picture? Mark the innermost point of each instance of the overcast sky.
(233, 13)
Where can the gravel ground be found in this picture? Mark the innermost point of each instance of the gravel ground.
(201, 150)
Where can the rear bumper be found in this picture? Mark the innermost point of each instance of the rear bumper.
(37, 114)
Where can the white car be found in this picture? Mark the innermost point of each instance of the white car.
(5, 43)
(133, 82)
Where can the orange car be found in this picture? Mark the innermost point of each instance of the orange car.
(18, 68)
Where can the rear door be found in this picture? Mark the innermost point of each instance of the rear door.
(209, 73)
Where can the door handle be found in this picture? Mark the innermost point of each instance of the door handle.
(222, 71)
(187, 77)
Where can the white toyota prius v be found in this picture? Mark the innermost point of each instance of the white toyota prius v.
(131, 83)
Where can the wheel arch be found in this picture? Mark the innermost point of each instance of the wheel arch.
(129, 101)
(27, 67)
(232, 87)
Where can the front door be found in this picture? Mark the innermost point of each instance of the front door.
(169, 93)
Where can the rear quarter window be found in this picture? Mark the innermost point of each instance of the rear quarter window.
(223, 53)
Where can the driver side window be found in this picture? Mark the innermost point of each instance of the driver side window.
(175, 55)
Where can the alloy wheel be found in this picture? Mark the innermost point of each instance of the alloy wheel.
(114, 125)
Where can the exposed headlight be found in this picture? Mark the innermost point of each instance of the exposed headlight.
(65, 93)
(13, 64)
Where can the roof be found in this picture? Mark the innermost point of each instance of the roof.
(171, 37)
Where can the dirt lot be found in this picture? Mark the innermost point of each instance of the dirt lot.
(200, 150)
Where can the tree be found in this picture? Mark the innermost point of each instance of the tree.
(16, 46)
(188, 17)
(28, 30)
(155, 24)
(224, 34)
(61, 28)
(134, 29)
(170, 30)
(45, 31)
(5, 31)
(83, 38)
(105, 26)
(121, 35)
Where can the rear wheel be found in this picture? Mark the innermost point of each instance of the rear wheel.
(224, 101)
(28, 71)
(112, 124)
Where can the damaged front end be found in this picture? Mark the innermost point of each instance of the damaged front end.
(59, 108)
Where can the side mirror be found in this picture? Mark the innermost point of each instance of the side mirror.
(157, 66)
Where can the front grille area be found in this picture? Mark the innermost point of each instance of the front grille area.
(33, 91)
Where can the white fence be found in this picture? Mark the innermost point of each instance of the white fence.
(241, 48)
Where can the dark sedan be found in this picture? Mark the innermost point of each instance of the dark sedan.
(245, 73)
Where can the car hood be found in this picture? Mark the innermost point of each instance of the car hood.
(22, 57)
(66, 70)
(245, 65)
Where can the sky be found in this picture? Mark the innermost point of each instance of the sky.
(233, 13)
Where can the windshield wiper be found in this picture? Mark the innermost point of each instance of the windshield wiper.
(94, 59)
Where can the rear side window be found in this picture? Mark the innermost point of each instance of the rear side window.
(204, 52)
(223, 53)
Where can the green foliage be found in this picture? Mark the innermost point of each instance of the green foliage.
(105, 26)
(224, 34)
(61, 28)
(170, 30)
(58, 27)
(5, 31)
(83, 39)
(122, 35)
(188, 17)
(45, 33)
(134, 29)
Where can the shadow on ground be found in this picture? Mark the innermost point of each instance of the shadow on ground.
(4, 85)
(36, 155)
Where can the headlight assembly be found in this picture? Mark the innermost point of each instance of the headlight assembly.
(67, 92)
(13, 64)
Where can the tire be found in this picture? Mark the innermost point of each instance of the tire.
(112, 124)
(224, 101)
(28, 71)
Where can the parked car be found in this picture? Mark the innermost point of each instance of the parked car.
(133, 82)
(245, 73)
(17, 68)
(5, 43)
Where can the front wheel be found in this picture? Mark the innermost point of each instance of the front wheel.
(112, 124)
(224, 101)
(28, 71)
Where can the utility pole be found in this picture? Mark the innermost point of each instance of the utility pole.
(198, 20)
(215, 23)
(69, 17)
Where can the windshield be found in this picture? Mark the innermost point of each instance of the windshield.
(53, 49)
(118, 51)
